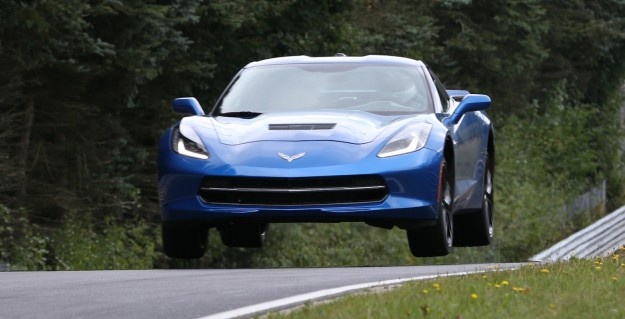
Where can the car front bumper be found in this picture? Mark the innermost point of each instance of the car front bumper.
(411, 190)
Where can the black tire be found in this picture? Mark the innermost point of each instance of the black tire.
(248, 235)
(184, 239)
(477, 228)
(436, 240)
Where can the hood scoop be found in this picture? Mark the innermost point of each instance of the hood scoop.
(346, 126)
(301, 127)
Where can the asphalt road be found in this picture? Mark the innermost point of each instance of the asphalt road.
(180, 293)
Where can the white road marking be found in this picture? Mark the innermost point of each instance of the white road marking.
(293, 301)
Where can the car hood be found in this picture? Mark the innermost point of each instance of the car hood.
(356, 127)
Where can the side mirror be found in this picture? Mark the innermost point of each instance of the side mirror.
(470, 103)
(187, 106)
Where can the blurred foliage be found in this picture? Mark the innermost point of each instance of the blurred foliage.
(541, 161)
(85, 89)
(80, 245)
(22, 246)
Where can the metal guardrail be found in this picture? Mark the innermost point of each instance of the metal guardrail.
(600, 239)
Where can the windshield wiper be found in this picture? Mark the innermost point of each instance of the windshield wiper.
(241, 114)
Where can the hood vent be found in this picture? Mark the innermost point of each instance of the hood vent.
(302, 127)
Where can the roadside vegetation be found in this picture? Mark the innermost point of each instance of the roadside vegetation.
(572, 289)
(86, 88)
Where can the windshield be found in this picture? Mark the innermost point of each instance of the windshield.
(381, 89)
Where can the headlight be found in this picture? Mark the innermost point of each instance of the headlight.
(413, 137)
(185, 146)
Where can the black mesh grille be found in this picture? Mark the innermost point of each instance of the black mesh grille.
(293, 191)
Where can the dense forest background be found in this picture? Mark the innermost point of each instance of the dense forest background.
(86, 87)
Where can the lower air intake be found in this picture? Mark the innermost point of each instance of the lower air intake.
(293, 191)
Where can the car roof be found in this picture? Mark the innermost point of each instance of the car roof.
(303, 59)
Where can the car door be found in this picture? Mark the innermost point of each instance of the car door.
(468, 141)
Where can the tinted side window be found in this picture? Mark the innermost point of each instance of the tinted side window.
(440, 88)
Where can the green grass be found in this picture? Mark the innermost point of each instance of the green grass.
(573, 289)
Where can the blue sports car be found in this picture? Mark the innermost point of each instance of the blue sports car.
(374, 139)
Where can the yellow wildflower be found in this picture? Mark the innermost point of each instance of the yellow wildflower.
(544, 271)
(425, 291)
(436, 286)
(473, 296)
(505, 283)
(497, 286)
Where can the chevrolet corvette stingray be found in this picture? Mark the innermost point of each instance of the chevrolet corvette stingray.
(373, 139)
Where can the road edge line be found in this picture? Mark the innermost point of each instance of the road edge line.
(293, 301)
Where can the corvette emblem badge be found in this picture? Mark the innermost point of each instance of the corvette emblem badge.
(291, 158)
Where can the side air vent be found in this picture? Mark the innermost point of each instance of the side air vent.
(302, 127)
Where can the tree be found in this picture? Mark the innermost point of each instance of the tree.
(495, 47)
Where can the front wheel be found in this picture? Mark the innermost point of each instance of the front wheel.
(186, 239)
(436, 240)
(477, 228)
